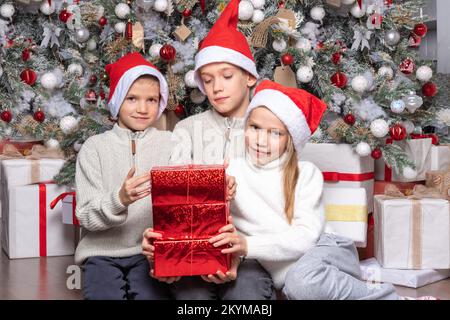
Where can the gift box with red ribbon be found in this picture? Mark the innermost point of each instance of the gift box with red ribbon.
(342, 167)
(29, 228)
(68, 204)
(189, 207)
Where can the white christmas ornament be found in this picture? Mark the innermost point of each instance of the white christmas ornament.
(379, 128)
(360, 84)
(258, 4)
(189, 79)
(358, 12)
(279, 45)
(52, 144)
(47, 8)
(82, 35)
(412, 101)
(49, 81)
(386, 71)
(363, 149)
(197, 97)
(68, 124)
(398, 106)
(409, 173)
(7, 10)
(424, 73)
(155, 49)
(409, 126)
(77, 146)
(303, 44)
(122, 10)
(91, 45)
(119, 27)
(75, 68)
(245, 10)
(160, 5)
(317, 13)
(258, 16)
(305, 74)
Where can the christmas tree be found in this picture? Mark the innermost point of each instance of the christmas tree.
(359, 56)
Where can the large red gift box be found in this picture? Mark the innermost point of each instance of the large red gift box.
(189, 207)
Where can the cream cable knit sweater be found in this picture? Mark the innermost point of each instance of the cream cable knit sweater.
(108, 227)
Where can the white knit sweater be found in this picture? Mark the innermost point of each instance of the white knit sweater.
(108, 227)
(258, 213)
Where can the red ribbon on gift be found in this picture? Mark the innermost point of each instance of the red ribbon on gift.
(42, 220)
(339, 176)
(74, 205)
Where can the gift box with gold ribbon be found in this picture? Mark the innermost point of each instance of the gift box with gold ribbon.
(346, 213)
(412, 231)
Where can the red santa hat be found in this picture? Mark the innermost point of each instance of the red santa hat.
(124, 72)
(224, 43)
(299, 110)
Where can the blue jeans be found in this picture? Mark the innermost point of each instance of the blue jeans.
(252, 283)
(127, 278)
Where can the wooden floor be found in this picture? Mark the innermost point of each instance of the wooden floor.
(46, 279)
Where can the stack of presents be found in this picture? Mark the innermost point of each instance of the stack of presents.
(401, 227)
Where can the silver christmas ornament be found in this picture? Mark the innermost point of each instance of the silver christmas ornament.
(392, 37)
(82, 35)
(412, 102)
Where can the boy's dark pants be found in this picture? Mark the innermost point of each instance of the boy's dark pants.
(107, 278)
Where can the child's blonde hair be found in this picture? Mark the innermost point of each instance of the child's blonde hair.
(290, 178)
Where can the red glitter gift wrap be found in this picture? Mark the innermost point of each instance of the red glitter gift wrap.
(189, 207)
(188, 258)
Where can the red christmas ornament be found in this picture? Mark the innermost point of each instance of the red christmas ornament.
(336, 57)
(287, 59)
(187, 13)
(339, 79)
(9, 43)
(28, 76)
(64, 15)
(349, 119)
(280, 5)
(129, 30)
(6, 116)
(26, 54)
(421, 29)
(320, 45)
(167, 53)
(90, 96)
(102, 94)
(398, 132)
(102, 21)
(39, 116)
(429, 89)
(407, 66)
(179, 110)
(414, 40)
(376, 153)
(93, 80)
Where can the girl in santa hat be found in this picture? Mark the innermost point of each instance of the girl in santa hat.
(278, 209)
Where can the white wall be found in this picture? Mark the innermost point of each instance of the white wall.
(443, 35)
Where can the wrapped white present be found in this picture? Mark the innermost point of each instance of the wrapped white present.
(412, 232)
(346, 213)
(68, 203)
(29, 227)
(342, 167)
(423, 153)
(371, 271)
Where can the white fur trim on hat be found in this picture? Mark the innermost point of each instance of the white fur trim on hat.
(127, 80)
(220, 54)
(287, 111)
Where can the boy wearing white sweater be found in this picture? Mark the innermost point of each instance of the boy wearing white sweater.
(225, 71)
(278, 208)
(112, 185)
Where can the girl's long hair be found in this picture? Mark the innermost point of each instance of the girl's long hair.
(290, 178)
